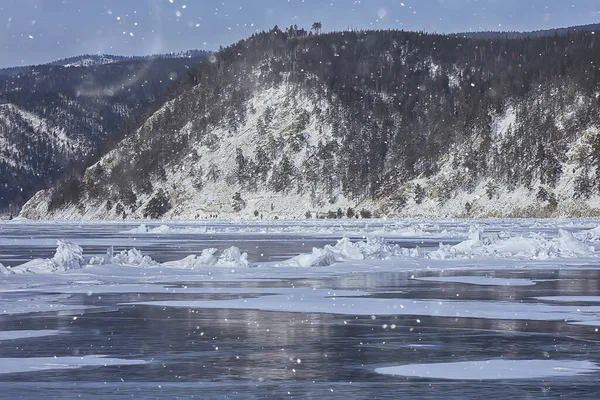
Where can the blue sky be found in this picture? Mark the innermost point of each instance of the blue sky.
(38, 31)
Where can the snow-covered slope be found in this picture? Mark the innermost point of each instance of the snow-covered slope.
(203, 182)
(341, 126)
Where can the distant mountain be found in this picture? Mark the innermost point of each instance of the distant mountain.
(532, 34)
(53, 118)
(370, 123)
(91, 60)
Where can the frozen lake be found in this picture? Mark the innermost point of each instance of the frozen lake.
(505, 309)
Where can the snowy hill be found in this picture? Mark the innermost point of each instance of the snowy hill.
(372, 123)
(54, 117)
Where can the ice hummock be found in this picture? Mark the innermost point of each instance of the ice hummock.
(345, 250)
(591, 235)
(68, 256)
(4, 270)
(534, 247)
(231, 258)
(130, 258)
(207, 258)
(477, 245)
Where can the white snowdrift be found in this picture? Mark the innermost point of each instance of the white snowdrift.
(533, 247)
(68, 256)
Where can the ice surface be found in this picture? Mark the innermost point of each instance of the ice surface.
(479, 280)
(494, 369)
(33, 364)
(27, 334)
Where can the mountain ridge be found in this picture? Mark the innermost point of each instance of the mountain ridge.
(530, 34)
(91, 60)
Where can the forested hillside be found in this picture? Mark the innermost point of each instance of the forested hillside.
(53, 118)
(384, 122)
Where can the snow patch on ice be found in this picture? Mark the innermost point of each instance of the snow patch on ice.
(305, 300)
(570, 299)
(479, 280)
(33, 364)
(28, 334)
(494, 369)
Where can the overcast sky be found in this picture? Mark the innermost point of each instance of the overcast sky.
(39, 31)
